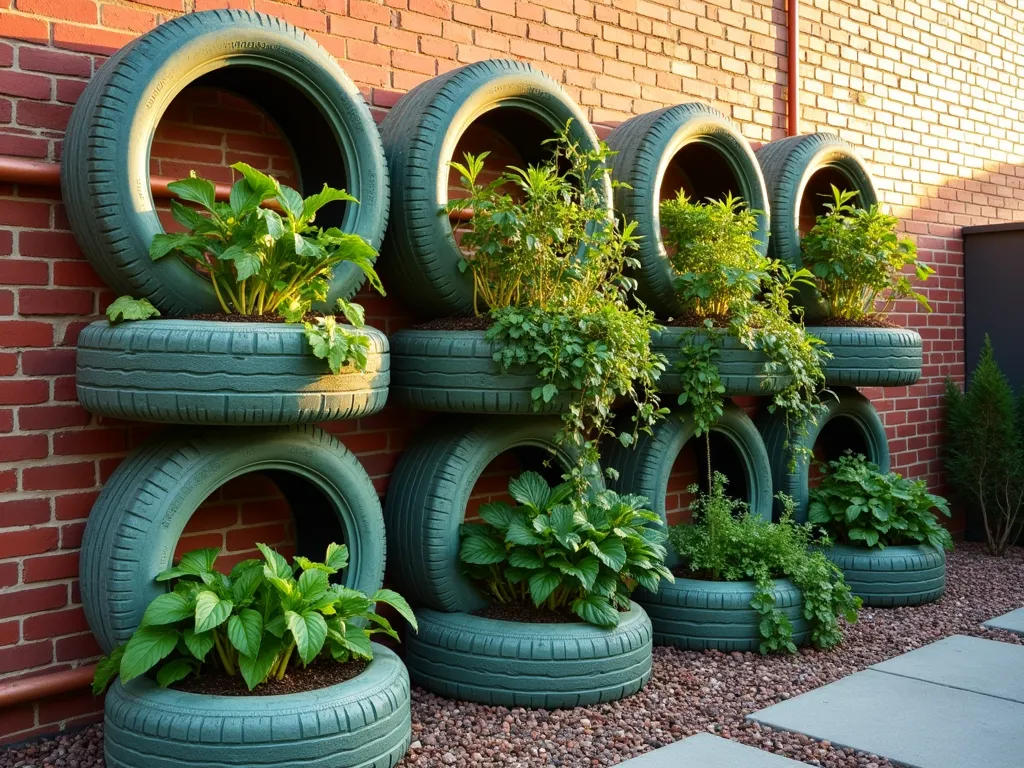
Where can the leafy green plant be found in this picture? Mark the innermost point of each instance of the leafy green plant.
(255, 622)
(126, 308)
(984, 450)
(561, 550)
(548, 262)
(857, 504)
(726, 543)
(858, 259)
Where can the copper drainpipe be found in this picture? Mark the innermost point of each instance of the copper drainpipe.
(794, 67)
(42, 686)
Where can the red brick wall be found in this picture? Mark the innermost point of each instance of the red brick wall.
(927, 90)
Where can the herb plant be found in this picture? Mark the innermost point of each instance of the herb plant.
(126, 308)
(726, 543)
(858, 258)
(547, 262)
(857, 504)
(984, 453)
(562, 551)
(263, 618)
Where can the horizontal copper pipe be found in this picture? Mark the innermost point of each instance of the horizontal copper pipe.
(44, 686)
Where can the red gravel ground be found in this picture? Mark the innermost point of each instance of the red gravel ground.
(689, 693)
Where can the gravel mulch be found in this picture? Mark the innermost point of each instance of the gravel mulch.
(689, 693)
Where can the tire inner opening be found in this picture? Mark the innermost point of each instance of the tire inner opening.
(818, 193)
(702, 172)
(492, 485)
(691, 467)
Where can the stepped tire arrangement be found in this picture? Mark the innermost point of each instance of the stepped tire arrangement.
(455, 372)
(420, 135)
(698, 615)
(208, 372)
(261, 375)
(553, 666)
(647, 146)
(740, 369)
(105, 168)
(871, 357)
(894, 576)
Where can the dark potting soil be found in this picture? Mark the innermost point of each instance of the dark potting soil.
(322, 673)
(525, 613)
(455, 323)
(871, 321)
(266, 317)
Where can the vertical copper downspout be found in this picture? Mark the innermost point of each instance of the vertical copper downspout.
(794, 67)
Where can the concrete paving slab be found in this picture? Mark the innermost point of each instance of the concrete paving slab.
(970, 663)
(911, 722)
(707, 751)
(1011, 622)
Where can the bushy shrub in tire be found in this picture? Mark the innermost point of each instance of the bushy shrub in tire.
(699, 615)
(871, 357)
(428, 493)
(208, 372)
(455, 372)
(740, 369)
(860, 430)
(516, 664)
(646, 146)
(420, 135)
(135, 523)
(105, 164)
(364, 722)
(894, 576)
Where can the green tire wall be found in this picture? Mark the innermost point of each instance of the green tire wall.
(427, 497)
(364, 722)
(646, 147)
(894, 576)
(797, 172)
(716, 615)
(646, 467)
(105, 163)
(859, 429)
(871, 357)
(740, 369)
(208, 372)
(455, 372)
(135, 523)
(516, 664)
(420, 135)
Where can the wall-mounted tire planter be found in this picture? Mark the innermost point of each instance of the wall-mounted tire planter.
(871, 357)
(420, 135)
(693, 147)
(136, 521)
(455, 372)
(427, 497)
(741, 369)
(364, 722)
(894, 576)
(207, 372)
(716, 615)
(798, 172)
(514, 664)
(646, 467)
(852, 424)
(105, 165)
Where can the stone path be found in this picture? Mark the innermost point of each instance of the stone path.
(707, 751)
(1011, 622)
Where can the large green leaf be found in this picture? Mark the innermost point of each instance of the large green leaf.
(309, 630)
(244, 199)
(173, 671)
(106, 670)
(277, 564)
(612, 552)
(542, 584)
(246, 262)
(357, 642)
(245, 630)
(195, 190)
(256, 669)
(314, 203)
(198, 561)
(211, 611)
(351, 602)
(396, 601)
(337, 556)
(147, 647)
(290, 200)
(481, 550)
(167, 609)
(588, 567)
(531, 490)
(313, 585)
(523, 535)
(126, 308)
(525, 558)
(198, 643)
(257, 181)
(164, 243)
(596, 610)
(499, 515)
(246, 582)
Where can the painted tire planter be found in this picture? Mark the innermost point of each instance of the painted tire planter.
(428, 494)
(699, 615)
(894, 576)
(105, 168)
(362, 722)
(653, 145)
(455, 372)
(740, 369)
(420, 135)
(136, 521)
(871, 357)
(510, 664)
(859, 429)
(646, 467)
(209, 372)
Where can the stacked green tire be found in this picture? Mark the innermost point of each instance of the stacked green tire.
(871, 357)
(740, 369)
(894, 576)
